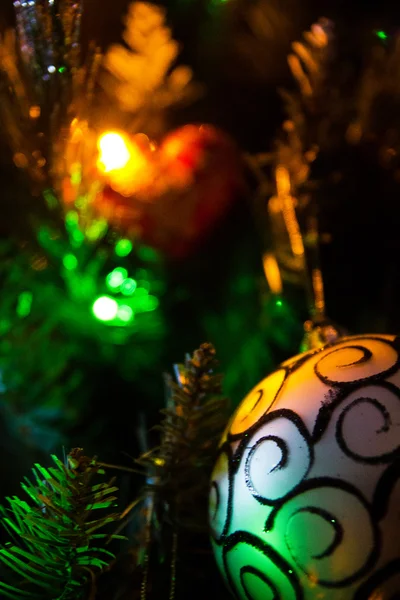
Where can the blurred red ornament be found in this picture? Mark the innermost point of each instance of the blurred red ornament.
(186, 186)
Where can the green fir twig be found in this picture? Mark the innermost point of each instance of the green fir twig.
(55, 550)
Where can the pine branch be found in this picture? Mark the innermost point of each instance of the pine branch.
(56, 538)
(143, 77)
(174, 500)
(339, 103)
(298, 143)
(310, 63)
(194, 419)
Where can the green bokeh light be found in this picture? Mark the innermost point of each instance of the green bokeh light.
(72, 224)
(128, 287)
(24, 304)
(150, 303)
(70, 262)
(76, 176)
(382, 35)
(123, 248)
(279, 303)
(71, 219)
(80, 202)
(116, 278)
(125, 313)
(123, 272)
(105, 308)
(44, 237)
(141, 292)
(96, 230)
(77, 238)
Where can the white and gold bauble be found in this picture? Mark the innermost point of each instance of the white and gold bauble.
(305, 493)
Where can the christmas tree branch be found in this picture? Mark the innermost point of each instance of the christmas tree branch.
(173, 504)
(55, 548)
(193, 421)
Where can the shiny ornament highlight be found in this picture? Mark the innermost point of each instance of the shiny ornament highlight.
(305, 491)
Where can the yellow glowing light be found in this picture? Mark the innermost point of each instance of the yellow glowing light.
(125, 163)
(34, 112)
(272, 273)
(283, 186)
(115, 152)
(318, 286)
(20, 160)
(282, 181)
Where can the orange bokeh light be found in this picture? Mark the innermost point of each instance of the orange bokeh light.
(114, 152)
(125, 161)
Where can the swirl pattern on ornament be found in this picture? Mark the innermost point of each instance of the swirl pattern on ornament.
(362, 359)
(257, 403)
(366, 429)
(289, 518)
(285, 458)
(329, 531)
(256, 570)
(251, 579)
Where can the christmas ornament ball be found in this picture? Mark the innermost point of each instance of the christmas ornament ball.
(305, 493)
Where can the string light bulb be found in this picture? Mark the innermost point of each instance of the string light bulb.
(124, 162)
(272, 273)
(382, 35)
(105, 308)
(114, 152)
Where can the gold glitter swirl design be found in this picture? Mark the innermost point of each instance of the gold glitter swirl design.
(257, 403)
(356, 359)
